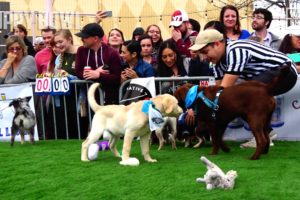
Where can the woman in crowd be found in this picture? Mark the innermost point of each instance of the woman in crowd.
(137, 32)
(229, 16)
(116, 39)
(62, 62)
(155, 33)
(134, 65)
(21, 31)
(291, 44)
(18, 67)
(170, 64)
(147, 48)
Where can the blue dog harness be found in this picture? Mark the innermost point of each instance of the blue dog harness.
(193, 94)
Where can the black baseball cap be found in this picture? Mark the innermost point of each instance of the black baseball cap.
(92, 29)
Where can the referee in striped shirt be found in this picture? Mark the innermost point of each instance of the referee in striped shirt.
(243, 59)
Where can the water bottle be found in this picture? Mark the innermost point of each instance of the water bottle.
(277, 116)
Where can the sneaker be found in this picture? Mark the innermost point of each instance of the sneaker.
(252, 143)
(273, 136)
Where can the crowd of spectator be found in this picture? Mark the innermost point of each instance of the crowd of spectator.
(113, 59)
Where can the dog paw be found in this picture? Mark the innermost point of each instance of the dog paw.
(151, 160)
(130, 162)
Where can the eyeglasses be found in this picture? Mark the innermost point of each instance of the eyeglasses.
(12, 49)
(257, 17)
(157, 32)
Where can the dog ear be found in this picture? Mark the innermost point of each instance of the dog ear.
(11, 103)
(181, 92)
(168, 104)
(28, 98)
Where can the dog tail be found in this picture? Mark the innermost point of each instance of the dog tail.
(91, 97)
(275, 83)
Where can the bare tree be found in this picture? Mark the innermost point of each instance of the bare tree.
(289, 8)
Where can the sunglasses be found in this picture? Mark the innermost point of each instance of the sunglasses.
(12, 49)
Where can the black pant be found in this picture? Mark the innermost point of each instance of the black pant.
(287, 83)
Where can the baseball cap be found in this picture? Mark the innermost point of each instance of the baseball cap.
(38, 40)
(205, 37)
(92, 29)
(178, 17)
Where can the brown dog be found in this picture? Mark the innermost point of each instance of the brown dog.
(251, 100)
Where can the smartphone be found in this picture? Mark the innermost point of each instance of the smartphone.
(108, 13)
(105, 66)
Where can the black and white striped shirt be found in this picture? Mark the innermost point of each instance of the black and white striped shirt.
(248, 58)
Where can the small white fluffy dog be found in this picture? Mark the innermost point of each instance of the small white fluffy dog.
(215, 177)
(128, 121)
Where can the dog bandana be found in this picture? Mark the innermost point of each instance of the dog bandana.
(155, 118)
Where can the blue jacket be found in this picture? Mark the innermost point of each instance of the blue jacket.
(144, 69)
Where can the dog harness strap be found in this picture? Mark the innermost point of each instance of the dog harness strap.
(206, 100)
(216, 101)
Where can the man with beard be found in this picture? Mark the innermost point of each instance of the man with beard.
(103, 62)
(262, 19)
(42, 58)
(181, 34)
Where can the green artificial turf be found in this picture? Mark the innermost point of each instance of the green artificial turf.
(53, 170)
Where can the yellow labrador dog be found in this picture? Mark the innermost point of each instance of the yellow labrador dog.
(128, 121)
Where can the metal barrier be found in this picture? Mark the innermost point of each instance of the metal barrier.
(44, 103)
(55, 122)
(160, 80)
(49, 120)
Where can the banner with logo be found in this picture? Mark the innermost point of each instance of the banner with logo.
(139, 89)
(8, 93)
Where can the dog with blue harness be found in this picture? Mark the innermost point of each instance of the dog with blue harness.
(253, 101)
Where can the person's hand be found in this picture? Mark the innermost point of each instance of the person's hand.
(64, 73)
(176, 35)
(190, 117)
(130, 73)
(90, 74)
(99, 16)
(102, 71)
(11, 58)
(123, 76)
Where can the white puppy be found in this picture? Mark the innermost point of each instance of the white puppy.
(215, 177)
(128, 121)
